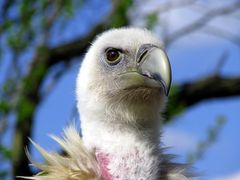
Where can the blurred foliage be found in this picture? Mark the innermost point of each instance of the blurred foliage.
(212, 135)
(30, 20)
(7, 24)
(174, 106)
(25, 109)
(119, 18)
(4, 174)
(5, 152)
(152, 19)
(23, 25)
(68, 7)
(4, 107)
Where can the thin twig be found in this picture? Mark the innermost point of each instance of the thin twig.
(222, 34)
(202, 21)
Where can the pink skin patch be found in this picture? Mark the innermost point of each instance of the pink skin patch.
(103, 160)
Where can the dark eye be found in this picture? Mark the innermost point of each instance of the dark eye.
(113, 56)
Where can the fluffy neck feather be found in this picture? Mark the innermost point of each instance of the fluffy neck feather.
(128, 137)
(129, 153)
(128, 134)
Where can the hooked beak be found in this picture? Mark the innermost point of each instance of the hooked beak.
(153, 63)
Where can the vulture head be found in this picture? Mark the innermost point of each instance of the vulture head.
(126, 74)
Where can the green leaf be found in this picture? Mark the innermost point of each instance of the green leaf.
(6, 25)
(6, 152)
(25, 6)
(27, 10)
(68, 7)
(16, 42)
(44, 4)
(152, 19)
(4, 107)
(26, 109)
(119, 18)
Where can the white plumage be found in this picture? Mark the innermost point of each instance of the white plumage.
(121, 92)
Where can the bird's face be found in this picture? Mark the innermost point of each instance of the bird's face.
(144, 67)
(125, 65)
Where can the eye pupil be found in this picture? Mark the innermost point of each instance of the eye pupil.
(112, 55)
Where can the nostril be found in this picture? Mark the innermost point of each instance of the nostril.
(141, 56)
(143, 50)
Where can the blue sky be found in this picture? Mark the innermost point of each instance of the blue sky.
(192, 57)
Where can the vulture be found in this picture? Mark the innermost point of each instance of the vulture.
(122, 89)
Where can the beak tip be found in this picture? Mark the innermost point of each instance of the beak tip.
(155, 62)
(166, 88)
(167, 92)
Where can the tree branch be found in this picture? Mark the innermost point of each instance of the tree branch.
(170, 5)
(211, 87)
(26, 105)
(202, 21)
(222, 34)
(191, 93)
(67, 51)
(75, 48)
